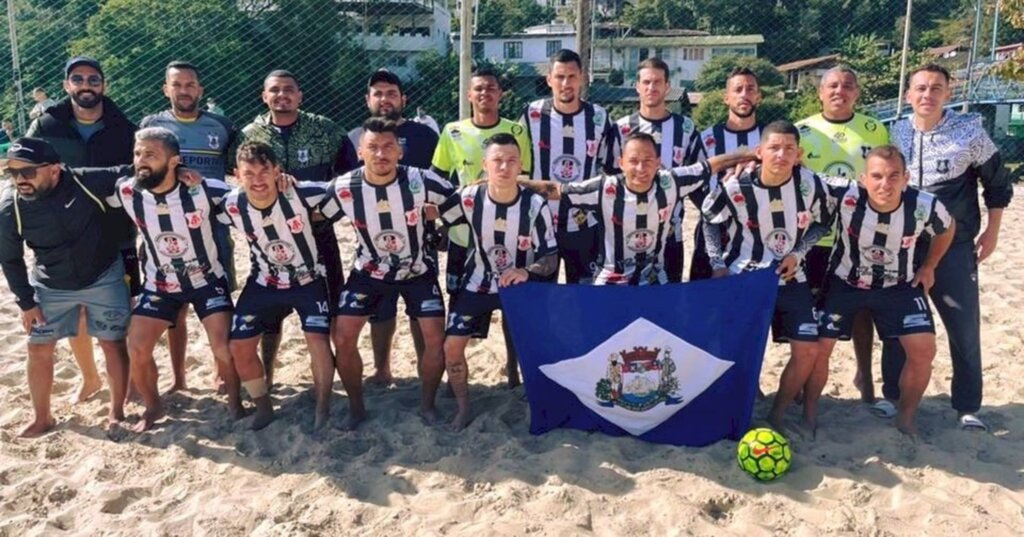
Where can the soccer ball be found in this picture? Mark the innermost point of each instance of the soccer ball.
(764, 454)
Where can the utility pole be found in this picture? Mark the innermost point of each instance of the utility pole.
(995, 30)
(903, 61)
(19, 91)
(973, 57)
(465, 56)
(583, 8)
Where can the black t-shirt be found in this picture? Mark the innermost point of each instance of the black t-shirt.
(418, 142)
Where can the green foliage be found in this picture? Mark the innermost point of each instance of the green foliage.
(712, 109)
(715, 72)
(659, 14)
(500, 17)
(603, 392)
(878, 73)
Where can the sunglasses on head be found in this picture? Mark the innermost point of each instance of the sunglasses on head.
(27, 173)
(92, 80)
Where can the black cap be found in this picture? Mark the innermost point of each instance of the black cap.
(383, 75)
(81, 60)
(33, 151)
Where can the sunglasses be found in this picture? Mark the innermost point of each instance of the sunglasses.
(27, 173)
(92, 80)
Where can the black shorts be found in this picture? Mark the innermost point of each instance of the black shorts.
(816, 268)
(897, 311)
(364, 296)
(262, 309)
(132, 272)
(700, 263)
(206, 300)
(330, 257)
(456, 267)
(471, 314)
(579, 251)
(794, 318)
(674, 259)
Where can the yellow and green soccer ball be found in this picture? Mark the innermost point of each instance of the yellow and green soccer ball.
(764, 454)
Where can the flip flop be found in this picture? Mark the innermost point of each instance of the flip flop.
(970, 422)
(883, 409)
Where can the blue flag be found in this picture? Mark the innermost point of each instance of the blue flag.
(672, 364)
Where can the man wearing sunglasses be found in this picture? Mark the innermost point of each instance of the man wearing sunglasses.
(59, 214)
(87, 129)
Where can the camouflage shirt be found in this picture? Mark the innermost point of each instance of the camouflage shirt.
(314, 148)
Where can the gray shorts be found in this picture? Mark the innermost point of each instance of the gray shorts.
(106, 302)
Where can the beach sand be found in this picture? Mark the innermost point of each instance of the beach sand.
(199, 473)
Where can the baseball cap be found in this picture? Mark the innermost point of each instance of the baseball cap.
(33, 151)
(383, 75)
(81, 60)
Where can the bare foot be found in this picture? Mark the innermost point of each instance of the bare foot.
(513, 381)
(810, 428)
(149, 418)
(461, 420)
(867, 390)
(381, 378)
(320, 421)
(38, 428)
(178, 386)
(237, 411)
(218, 384)
(87, 389)
(906, 426)
(429, 415)
(352, 421)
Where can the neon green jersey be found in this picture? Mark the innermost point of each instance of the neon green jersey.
(460, 152)
(839, 148)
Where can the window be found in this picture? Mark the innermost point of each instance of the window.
(478, 50)
(692, 54)
(643, 54)
(513, 50)
(553, 47)
(739, 51)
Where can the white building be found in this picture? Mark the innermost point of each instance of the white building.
(396, 32)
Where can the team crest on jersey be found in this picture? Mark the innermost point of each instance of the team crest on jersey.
(850, 201)
(534, 113)
(193, 190)
(805, 188)
(779, 243)
(389, 241)
(738, 198)
(665, 180)
(610, 191)
(566, 168)
(302, 155)
(920, 214)
(213, 140)
(233, 209)
(870, 126)
(344, 193)
(877, 255)
(625, 130)
(709, 142)
(172, 245)
(942, 166)
(591, 148)
(599, 117)
(524, 242)
(839, 137)
(412, 218)
(638, 380)
(677, 154)
(280, 252)
(295, 224)
(803, 219)
(194, 219)
(641, 240)
(501, 259)
(415, 185)
(467, 203)
(127, 190)
(841, 169)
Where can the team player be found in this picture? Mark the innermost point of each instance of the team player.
(741, 129)
(776, 213)
(384, 204)
(634, 208)
(182, 266)
(460, 158)
(949, 155)
(571, 140)
(677, 143)
(835, 143)
(512, 240)
(286, 275)
(880, 221)
(205, 139)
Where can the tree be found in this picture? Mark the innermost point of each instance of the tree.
(712, 109)
(1013, 13)
(878, 73)
(715, 72)
(659, 14)
(502, 17)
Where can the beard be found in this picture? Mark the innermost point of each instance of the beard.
(150, 178)
(87, 98)
(393, 114)
(182, 107)
(743, 115)
(36, 193)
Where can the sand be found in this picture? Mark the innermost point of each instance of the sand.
(201, 474)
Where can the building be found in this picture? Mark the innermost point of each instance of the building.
(807, 72)
(396, 32)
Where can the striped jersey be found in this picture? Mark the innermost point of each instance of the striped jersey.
(388, 220)
(677, 142)
(281, 245)
(177, 230)
(504, 236)
(767, 223)
(205, 141)
(719, 140)
(568, 148)
(635, 225)
(874, 249)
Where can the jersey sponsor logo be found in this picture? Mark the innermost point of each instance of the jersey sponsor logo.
(194, 219)
(280, 252)
(233, 209)
(610, 191)
(412, 218)
(663, 214)
(217, 302)
(126, 190)
(295, 224)
(870, 125)
(778, 242)
(641, 240)
(908, 241)
(500, 224)
(501, 259)
(213, 140)
(389, 241)
(162, 209)
(807, 329)
(431, 305)
(344, 193)
(813, 156)
(383, 206)
(167, 287)
(172, 245)
(567, 168)
(467, 203)
(709, 141)
(524, 243)
(877, 255)
(841, 169)
(316, 321)
(591, 148)
(625, 130)
(677, 154)
(803, 219)
(916, 320)
(534, 114)
(302, 155)
(738, 198)
(839, 137)
(568, 131)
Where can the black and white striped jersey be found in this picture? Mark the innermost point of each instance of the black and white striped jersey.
(388, 220)
(635, 226)
(874, 249)
(503, 236)
(281, 245)
(767, 223)
(677, 142)
(177, 228)
(567, 149)
(719, 140)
